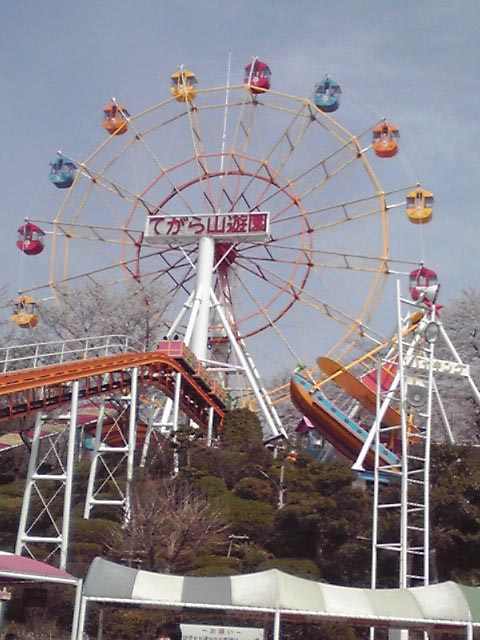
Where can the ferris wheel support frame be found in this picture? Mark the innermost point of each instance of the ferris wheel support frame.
(203, 303)
(247, 364)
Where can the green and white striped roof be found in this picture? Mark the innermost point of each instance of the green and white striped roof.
(443, 605)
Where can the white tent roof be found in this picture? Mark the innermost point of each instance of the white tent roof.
(445, 605)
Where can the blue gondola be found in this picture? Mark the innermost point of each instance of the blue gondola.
(327, 95)
(62, 172)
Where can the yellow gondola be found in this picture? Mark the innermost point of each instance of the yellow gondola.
(183, 85)
(25, 312)
(420, 206)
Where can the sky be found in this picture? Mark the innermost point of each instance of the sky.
(416, 63)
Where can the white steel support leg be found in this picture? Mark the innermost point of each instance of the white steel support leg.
(176, 407)
(276, 625)
(472, 384)
(132, 438)
(152, 415)
(94, 462)
(76, 610)
(114, 458)
(248, 371)
(358, 465)
(32, 465)
(404, 481)
(81, 618)
(264, 392)
(443, 415)
(167, 410)
(206, 256)
(210, 427)
(67, 501)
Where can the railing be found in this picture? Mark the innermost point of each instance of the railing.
(30, 356)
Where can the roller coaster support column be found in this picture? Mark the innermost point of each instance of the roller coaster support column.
(36, 477)
(32, 464)
(132, 440)
(67, 501)
(117, 458)
(89, 500)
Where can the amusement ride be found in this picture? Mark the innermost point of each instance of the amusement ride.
(264, 222)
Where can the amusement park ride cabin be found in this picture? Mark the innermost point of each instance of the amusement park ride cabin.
(115, 119)
(257, 76)
(420, 206)
(327, 95)
(62, 172)
(183, 87)
(385, 138)
(30, 239)
(25, 313)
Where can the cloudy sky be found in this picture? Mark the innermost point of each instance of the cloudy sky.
(415, 63)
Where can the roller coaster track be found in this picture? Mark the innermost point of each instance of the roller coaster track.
(48, 387)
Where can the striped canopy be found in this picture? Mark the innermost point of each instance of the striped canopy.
(440, 606)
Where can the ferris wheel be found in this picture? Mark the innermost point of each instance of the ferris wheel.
(297, 218)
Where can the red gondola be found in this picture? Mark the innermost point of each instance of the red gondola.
(257, 76)
(30, 239)
(423, 285)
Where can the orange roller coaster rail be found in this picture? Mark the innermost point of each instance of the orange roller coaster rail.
(45, 388)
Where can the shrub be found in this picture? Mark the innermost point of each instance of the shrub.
(300, 567)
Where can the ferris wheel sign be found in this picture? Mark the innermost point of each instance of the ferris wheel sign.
(234, 227)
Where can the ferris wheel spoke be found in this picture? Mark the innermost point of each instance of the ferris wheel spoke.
(297, 291)
(238, 160)
(292, 140)
(239, 194)
(270, 321)
(200, 155)
(289, 139)
(116, 188)
(245, 126)
(163, 171)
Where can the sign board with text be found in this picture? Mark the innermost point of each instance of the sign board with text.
(232, 227)
(209, 632)
(440, 366)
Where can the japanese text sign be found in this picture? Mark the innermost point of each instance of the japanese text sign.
(184, 229)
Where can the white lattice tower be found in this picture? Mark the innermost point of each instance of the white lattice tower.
(415, 391)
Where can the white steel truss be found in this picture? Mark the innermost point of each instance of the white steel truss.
(401, 525)
(111, 468)
(47, 499)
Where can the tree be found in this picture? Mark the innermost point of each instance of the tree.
(455, 512)
(461, 320)
(326, 519)
(136, 310)
(168, 523)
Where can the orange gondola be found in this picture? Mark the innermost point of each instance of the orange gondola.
(115, 119)
(385, 138)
